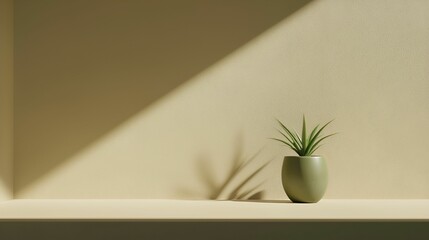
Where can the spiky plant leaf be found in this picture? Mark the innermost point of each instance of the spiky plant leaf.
(303, 145)
(318, 141)
(312, 151)
(304, 135)
(318, 132)
(298, 137)
(312, 133)
(292, 147)
(285, 136)
(294, 140)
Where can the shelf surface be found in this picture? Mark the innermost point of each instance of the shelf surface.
(120, 209)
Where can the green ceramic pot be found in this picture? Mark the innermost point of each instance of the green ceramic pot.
(304, 178)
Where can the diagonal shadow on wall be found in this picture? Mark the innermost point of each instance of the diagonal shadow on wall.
(84, 67)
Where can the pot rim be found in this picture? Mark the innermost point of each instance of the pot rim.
(312, 156)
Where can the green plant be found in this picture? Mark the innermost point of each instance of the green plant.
(304, 145)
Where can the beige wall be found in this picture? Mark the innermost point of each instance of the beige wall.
(6, 105)
(141, 99)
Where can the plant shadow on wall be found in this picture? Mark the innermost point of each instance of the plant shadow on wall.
(240, 183)
(80, 77)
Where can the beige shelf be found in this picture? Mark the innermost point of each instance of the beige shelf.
(104, 209)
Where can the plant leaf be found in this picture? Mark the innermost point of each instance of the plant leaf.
(284, 135)
(312, 141)
(299, 141)
(282, 141)
(304, 133)
(316, 143)
(297, 136)
(312, 134)
(312, 151)
(291, 144)
(295, 141)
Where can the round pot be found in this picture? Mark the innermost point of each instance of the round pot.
(304, 178)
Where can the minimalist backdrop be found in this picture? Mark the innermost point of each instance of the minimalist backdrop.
(157, 99)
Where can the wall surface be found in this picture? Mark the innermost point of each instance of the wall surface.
(6, 98)
(159, 99)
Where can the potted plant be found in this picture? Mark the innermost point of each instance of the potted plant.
(304, 177)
